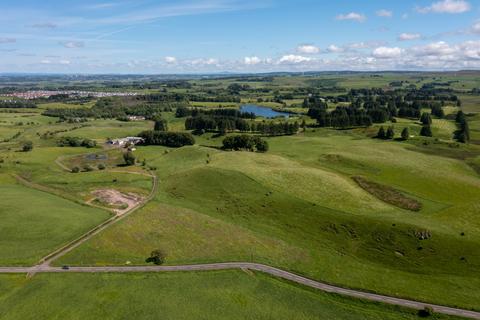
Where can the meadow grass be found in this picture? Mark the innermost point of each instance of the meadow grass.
(31, 231)
(193, 295)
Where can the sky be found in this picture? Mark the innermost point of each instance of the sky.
(210, 36)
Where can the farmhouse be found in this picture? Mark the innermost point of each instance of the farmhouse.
(126, 141)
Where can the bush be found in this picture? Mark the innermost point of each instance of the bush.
(27, 146)
(156, 257)
(101, 166)
(405, 134)
(129, 158)
(88, 168)
(76, 142)
(75, 170)
(425, 312)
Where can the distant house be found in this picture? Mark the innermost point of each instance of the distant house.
(122, 142)
(136, 118)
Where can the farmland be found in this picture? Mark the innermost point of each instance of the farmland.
(334, 203)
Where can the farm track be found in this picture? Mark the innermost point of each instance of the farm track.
(44, 265)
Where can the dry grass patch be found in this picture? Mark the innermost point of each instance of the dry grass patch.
(388, 194)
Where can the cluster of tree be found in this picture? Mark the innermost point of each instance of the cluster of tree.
(463, 133)
(276, 129)
(224, 124)
(160, 124)
(235, 88)
(221, 112)
(168, 139)
(389, 134)
(346, 117)
(14, 104)
(217, 123)
(245, 142)
(76, 142)
(214, 97)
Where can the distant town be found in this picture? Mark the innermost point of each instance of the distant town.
(35, 94)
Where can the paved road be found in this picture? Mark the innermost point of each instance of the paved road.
(256, 267)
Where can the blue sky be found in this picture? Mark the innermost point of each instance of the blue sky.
(145, 36)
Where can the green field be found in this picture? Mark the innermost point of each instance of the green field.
(212, 295)
(35, 223)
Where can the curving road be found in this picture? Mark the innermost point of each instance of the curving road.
(255, 267)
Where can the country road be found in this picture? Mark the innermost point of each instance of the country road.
(255, 267)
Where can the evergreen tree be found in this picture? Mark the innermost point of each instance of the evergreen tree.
(426, 119)
(390, 133)
(161, 125)
(426, 131)
(381, 133)
(405, 134)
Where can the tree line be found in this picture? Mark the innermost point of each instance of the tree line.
(167, 139)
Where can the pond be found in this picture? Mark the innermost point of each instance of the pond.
(263, 111)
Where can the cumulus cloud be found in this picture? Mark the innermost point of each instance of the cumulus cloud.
(308, 49)
(440, 48)
(170, 60)
(44, 25)
(252, 60)
(387, 52)
(354, 16)
(476, 27)
(72, 44)
(293, 59)
(7, 40)
(446, 6)
(334, 49)
(384, 13)
(409, 36)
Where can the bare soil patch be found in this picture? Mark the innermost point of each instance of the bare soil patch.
(118, 201)
(388, 194)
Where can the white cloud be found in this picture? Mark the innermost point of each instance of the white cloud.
(64, 62)
(476, 27)
(7, 40)
(72, 44)
(293, 59)
(334, 49)
(365, 45)
(387, 52)
(252, 60)
(170, 60)
(384, 13)
(447, 6)
(440, 48)
(308, 49)
(352, 16)
(409, 36)
(46, 61)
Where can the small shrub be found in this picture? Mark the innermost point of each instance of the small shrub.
(101, 166)
(27, 146)
(156, 257)
(75, 170)
(88, 168)
(425, 312)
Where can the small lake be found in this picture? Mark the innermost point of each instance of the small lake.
(263, 111)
